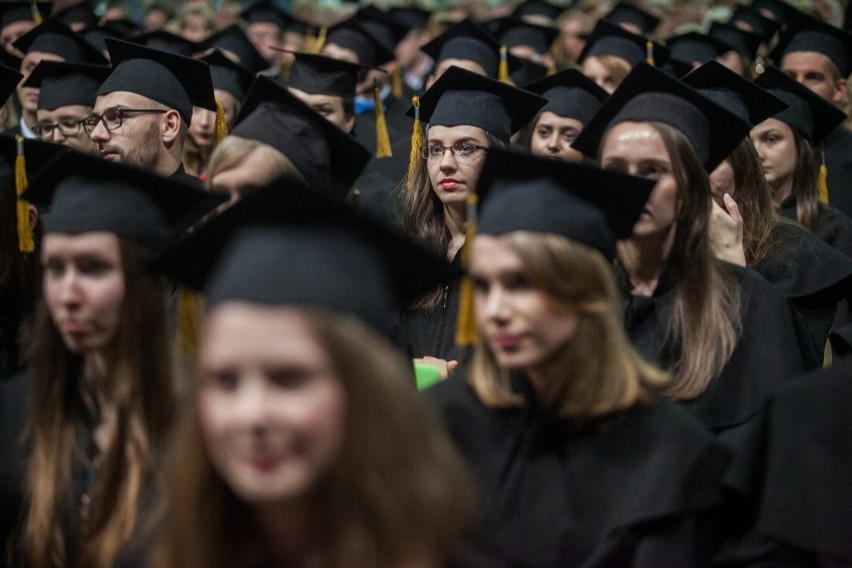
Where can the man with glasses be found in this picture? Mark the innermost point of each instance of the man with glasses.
(144, 108)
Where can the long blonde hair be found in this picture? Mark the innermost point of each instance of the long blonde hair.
(233, 149)
(603, 373)
(397, 494)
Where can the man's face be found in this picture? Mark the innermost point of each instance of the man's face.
(816, 72)
(265, 36)
(12, 32)
(138, 140)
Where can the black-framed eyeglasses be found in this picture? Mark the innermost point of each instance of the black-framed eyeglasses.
(462, 152)
(67, 126)
(113, 118)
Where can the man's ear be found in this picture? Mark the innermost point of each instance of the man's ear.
(839, 95)
(171, 126)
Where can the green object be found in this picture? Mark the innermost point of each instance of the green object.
(426, 375)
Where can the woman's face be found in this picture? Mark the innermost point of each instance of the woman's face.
(525, 329)
(636, 148)
(83, 288)
(272, 410)
(595, 70)
(553, 135)
(776, 147)
(329, 107)
(453, 176)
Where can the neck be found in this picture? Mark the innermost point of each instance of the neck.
(781, 191)
(547, 379)
(292, 531)
(28, 117)
(454, 218)
(643, 259)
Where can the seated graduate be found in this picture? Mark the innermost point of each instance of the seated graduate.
(580, 460)
(306, 443)
(723, 331)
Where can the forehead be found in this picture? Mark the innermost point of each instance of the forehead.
(314, 99)
(460, 132)
(557, 121)
(69, 110)
(101, 242)
(807, 61)
(492, 255)
(123, 99)
(36, 56)
(635, 139)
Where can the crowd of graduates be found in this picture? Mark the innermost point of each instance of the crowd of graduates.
(483, 284)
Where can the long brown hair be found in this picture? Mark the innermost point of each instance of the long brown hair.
(705, 321)
(64, 399)
(805, 187)
(397, 494)
(603, 373)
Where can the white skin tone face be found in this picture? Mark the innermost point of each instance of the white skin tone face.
(271, 407)
(553, 135)
(250, 173)
(83, 287)
(29, 95)
(195, 28)
(12, 32)
(450, 180)
(776, 147)
(329, 107)
(595, 70)
(733, 61)
(202, 129)
(816, 72)
(69, 115)
(524, 327)
(265, 36)
(636, 148)
(570, 36)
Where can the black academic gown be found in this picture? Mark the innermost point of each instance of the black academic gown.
(838, 161)
(773, 348)
(640, 488)
(14, 403)
(181, 175)
(832, 227)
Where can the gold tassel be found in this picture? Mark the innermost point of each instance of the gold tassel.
(25, 233)
(416, 141)
(37, 20)
(187, 321)
(319, 41)
(396, 83)
(503, 69)
(221, 126)
(383, 147)
(551, 67)
(649, 52)
(466, 324)
(822, 180)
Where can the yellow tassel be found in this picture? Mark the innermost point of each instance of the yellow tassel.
(383, 147)
(25, 233)
(187, 321)
(36, 14)
(551, 67)
(416, 141)
(221, 125)
(396, 83)
(649, 52)
(822, 181)
(503, 69)
(466, 324)
(319, 41)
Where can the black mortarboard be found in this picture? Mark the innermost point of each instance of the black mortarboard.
(537, 8)
(328, 158)
(748, 16)
(321, 75)
(9, 79)
(227, 75)
(625, 13)
(460, 97)
(172, 80)
(513, 32)
(650, 95)
(86, 193)
(123, 27)
(750, 102)
(266, 11)
(52, 36)
(780, 11)
(64, 84)
(808, 113)
(284, 244)
(36, 153)
(96, 36)
(352, 34)
(570, 94)
(695, 47)
(524, 71)
(743, 42)
(22, 11)
(410, 17)
(809, 34)
(166, 41)
(611, 39)
(381, 26)
(521, 192)
(233, 39)
(466, 40)
(80, 13)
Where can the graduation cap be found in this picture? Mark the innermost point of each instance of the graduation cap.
(372, 49)
(86, 193)
(123, 27)
(611, 39)
(809, 34)
(63, 84)
(381, 26)
(52, 36)
(521, 192)
(172, 80)
(228, 75)
(328, 158)
(570, 94)
(24, 11)
(695, 47)
(9, 79)
(754, 22)
(538, 9)
(96, 36)
(526, 70)
(286, 245)
(266, 12)
(234, 40)
(410, 17)
(466, 40)
(777, 10)
(741, 41)
(513, 32)
(80, 13)
(650, 95)
(166, 41)
(750, 102)
(625, 13)
(321, 75)
(807, 113)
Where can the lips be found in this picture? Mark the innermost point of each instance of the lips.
(74, 326)
(508, 342)
(264, 461)
(449, 183)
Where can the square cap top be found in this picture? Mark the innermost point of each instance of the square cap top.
(372, 49)
(234, 40)
(86, 193)
(9, 79)
(64, 84)
(571, 94)
(52, 36)
(410, 17)
(466, 40)
(166, 41)
(287, 245)
(329, 159)
(460, 97)
(22, 11)
(809, 34)
(266, 12)
(624, 13)
(695, 47)
(228, 75)
(515, 31)
(808, 113)
(79, 13)
(776, 10)
(321, 75)
(611, 39)
(175, 81)
(541, 10)
(381, 25)
(749, 19)
(745, 43)
(650, 95)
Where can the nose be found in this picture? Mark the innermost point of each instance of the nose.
(251, 403)
(495, 306)
(69, 290)
(448, 161)
(99, 132)
(553, 145)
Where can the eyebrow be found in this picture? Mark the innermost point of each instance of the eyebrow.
(458, 141)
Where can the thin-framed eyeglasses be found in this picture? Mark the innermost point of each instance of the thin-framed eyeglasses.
(113, 118)
(462, 152)
(67, 126)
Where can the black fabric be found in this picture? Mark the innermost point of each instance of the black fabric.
(9, 79)
(838, 161)
(570, 94)
(734, 38)
(833, 227)
(695, 47)
(65, 84)
(625, 13)
(466, 40)
(320, 75)
(167, 41)
(227, 75)
(233, 39)
(748, 16)
(608, 38)
(22, 11)
(810, 34)
(51, 36)
(14, 404)
(635, 489)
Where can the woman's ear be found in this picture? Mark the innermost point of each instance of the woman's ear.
(33, 213)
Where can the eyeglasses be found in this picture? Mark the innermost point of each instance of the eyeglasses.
(463, 152)
(67, 126)
(113, 118)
